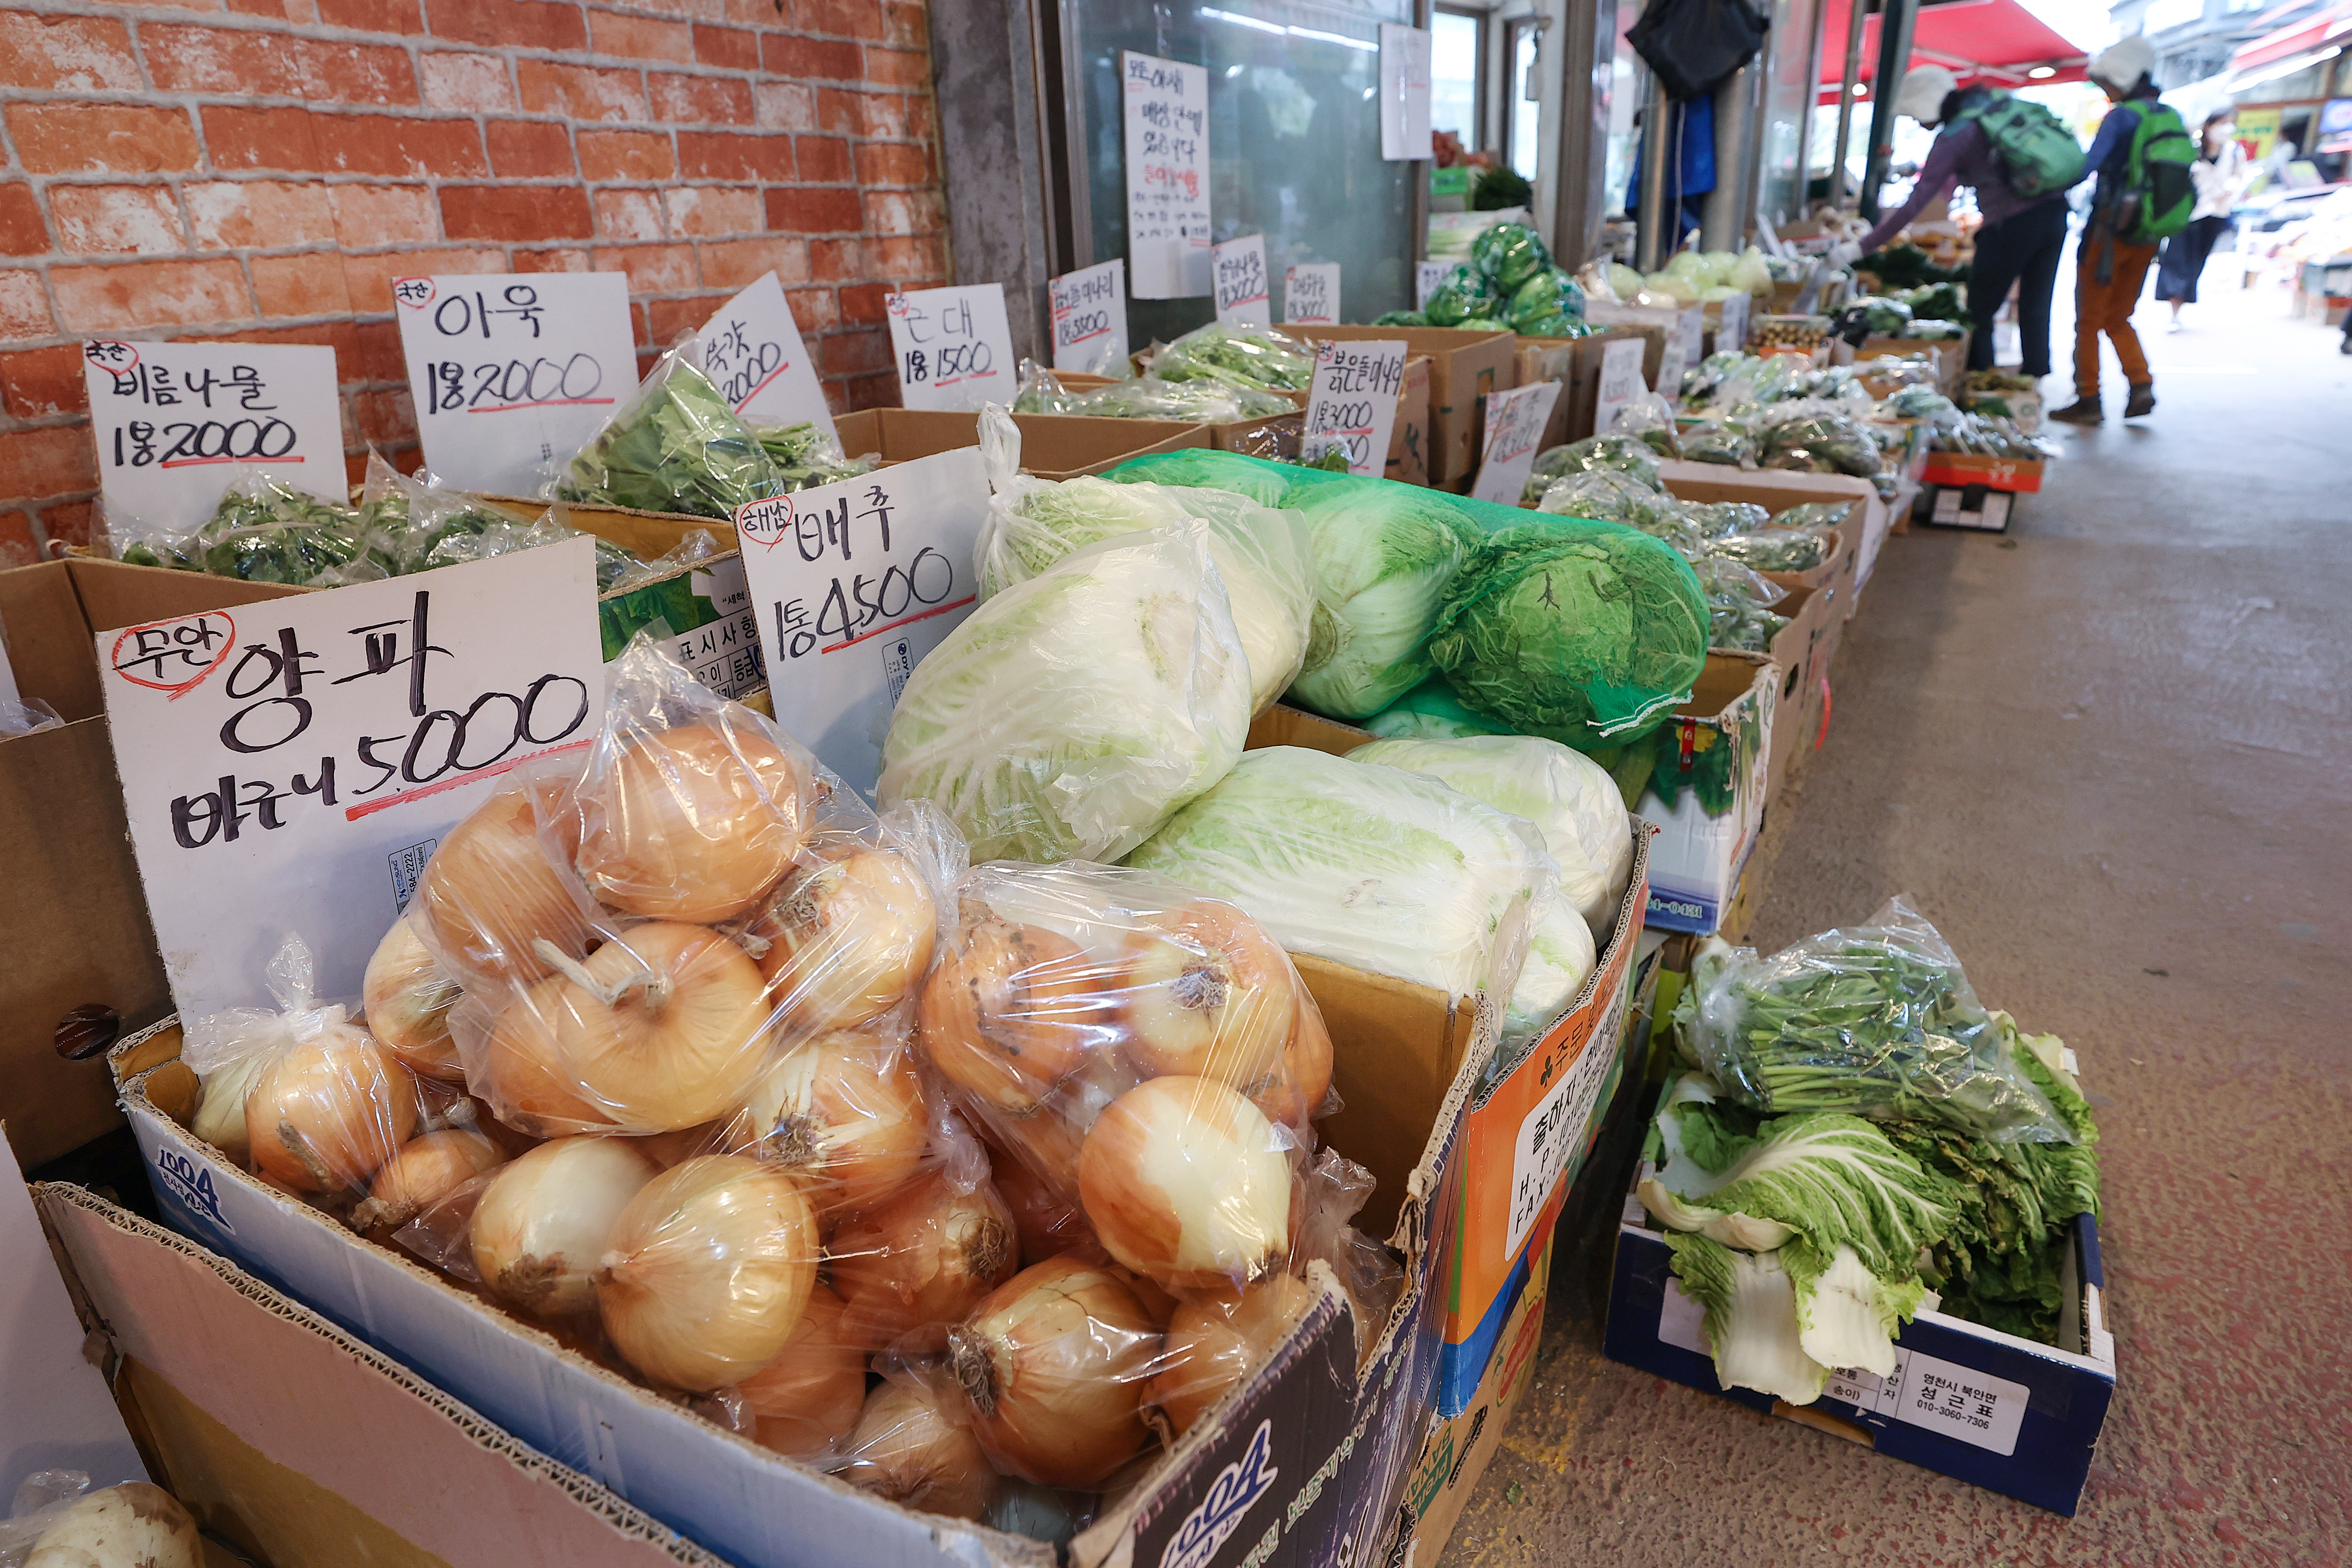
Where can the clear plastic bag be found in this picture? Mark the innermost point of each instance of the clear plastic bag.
(1715, 519)
(1649, 419)
(1194, 402)
(673, 446)
(1777, 549)
(1619, 451)
(807, 455)
(29, 717)
(263, 531)
(1608, 495)
(1721, 440)
(418, 526)
(57, 1521)
(1237, 356)
(1876, 1020)
(1039, 391)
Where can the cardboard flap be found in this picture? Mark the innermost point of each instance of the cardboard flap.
(48, 642)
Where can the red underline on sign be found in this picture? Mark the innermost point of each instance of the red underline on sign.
(367, 808)
(764, 384)
(543, 403)
(894, 626)
(1082, 337)
(200, 462)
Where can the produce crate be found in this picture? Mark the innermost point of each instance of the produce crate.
(2017, 476)
(1249, 435)
(1573, 416)
(1463, 367)
(709, 622)
(1715, 754)
(1973, 507)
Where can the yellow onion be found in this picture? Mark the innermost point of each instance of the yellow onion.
(1010, 1012)
(693, 824)
(540, 1227)
(328, 1112)
(1293, 1097)
(219, 1118)
(660, 1029)
(707, 1272)
(1215, 1341)
(1205, 992)
(843, 1111)
(1053, 1366)
(406, 997)
(1047, 1225)
(808, 1398)
(912, 1445)
(492, 892)
(425, 1171)
(522, 1074)
(918, 1262)
(1184, 1180)
(847, 938)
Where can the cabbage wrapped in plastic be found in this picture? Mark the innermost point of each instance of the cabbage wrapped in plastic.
(1508, 254)
(1385, 556)
(1464, 293)
(1071, 713)
(675, 446)
(1237, 356)
(1584, 632)
(1430, 711)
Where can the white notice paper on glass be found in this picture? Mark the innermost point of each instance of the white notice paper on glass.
(751, 350)
(1620, 382)
(1242, 293)
(1352, 402)
(854, 584)
(1428, 276)
(513, 375)
(1167, 120)
(953, 347)
(1404, 91)
(176, 424)
(1310, 293)
(1090, 319)
(1515, 427)
(288, 765)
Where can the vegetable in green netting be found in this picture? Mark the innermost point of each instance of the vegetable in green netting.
(673, 446)
(1430, 711)
(1585, 632)
(1550, 294)
(1266, 482)
(1508, 254)
(1237, 356)
(1483, 324)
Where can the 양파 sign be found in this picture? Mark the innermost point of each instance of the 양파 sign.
(177, 424)
(1167, 123)
(953, 346)
(752, 353)
(1090, 310)
(1352, 401)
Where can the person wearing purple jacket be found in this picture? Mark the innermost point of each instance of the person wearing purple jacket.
(2022, 240)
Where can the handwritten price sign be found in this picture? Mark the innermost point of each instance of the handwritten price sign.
(953, 347)
(1352, 402)
(1310, 293)
(1090, 319)
(177, 424)
(1515, 427)
(1242, 295)
(751, 350)
(1167, 124)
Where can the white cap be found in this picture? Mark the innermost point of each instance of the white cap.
(1923, 92)
(2122, 63)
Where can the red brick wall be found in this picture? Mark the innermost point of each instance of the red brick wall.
(261, 169)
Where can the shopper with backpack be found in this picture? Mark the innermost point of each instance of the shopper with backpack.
(2019, 158)
(2144, 195)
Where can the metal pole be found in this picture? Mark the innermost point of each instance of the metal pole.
(1650, 247)
(1893, 58)
(1805, 119)
(1720, 220)
(1589, 40)
(1857, 15)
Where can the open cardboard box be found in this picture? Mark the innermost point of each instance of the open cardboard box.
(73, 916)
(1723, 736)
(1859, 537)
(1463, 367)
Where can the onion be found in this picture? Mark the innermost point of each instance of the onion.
(425, 1171)
(328, 1112)
(919, 1261)
(219, 1119)
(406, 997)
(540, 1225)
(1046, 1144)
(1294, 1095)
(846, 1113)
(707, 1272)
(1053, 1366)
(1047, 1225)
(492, 891)
(693, 824)
(912, 1446)
(660, 1029)
(809, 1397)
(1185, 1181)
(1215, 1342)
(522, 1074)
(134, 1525)
(1207, 993)
(847, 938)
(1011, 1012)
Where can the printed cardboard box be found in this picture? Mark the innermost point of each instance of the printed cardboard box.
(73, 917)
(1793, 653)
(2016, 476)
(704, 611)
(1705, 788)
(1463, 367)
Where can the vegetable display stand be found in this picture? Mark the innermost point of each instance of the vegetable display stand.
(1703, 779)
(1465, 365)
(1251, 436)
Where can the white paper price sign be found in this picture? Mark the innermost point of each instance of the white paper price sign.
(1682, 351)
(953, 347)
(1428, 276)
(1620, 382)
(512, 374)
(854, 584)
(288, 765)
(1731, 332)
(1166, 121)
(1242, 294)
(1090, 319)
(1515, 427)
(176, 424)
(1352, 402)
(751, 350)
(1404, 91)
(1310, 293)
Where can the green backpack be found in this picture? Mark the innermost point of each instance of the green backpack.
(2037, 154)
(2160, 196)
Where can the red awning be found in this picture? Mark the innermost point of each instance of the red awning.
(1997, 42)
(2294, 38)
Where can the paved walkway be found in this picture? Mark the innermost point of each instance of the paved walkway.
(2109, 755)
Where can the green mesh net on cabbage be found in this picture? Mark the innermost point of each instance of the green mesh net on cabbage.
(1430, 711)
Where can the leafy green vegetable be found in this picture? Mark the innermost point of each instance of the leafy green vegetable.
(1626, 454)
(1750, 1319)
(1237, 356)
(1508, 254)
(673, 446)
(1401, 319)
(1847, 1315)
(806, 456)
(1777, 549)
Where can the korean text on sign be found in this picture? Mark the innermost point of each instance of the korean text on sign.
(1515, 420)
(953, 346)
(1241, 278)
(1090, 319)
(177, 424)
(1354, 400)
(1310, 293)
(1167, 125)
(752, 353)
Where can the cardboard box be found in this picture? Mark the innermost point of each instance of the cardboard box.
(1551, 359)
(1776, 491)
(1714, 757)
(1253, 436)
(1053, 445)
(73, 917)
(1574, 415)
(307, 1450)
(2017, 476)
(711, 625)
(1463, 367)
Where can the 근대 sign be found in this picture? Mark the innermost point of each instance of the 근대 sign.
(854, 583)
(752, 353)
(1167, 122)
(177, 424)
(513, 375)
(1089, 309)
(1243, 297)
(1352, 401)
(1310, 293)
(953, 346)
(290, 765)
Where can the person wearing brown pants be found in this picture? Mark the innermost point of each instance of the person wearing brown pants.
(2109, 271)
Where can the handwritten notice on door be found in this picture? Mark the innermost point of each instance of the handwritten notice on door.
(512, 374)
(1090, 319)
(1167, 119)
(854, 584)
(751, 350)
(1515, 427)
(288, 765)
(1404, 91)
(1352, 402)
(1310, 293)
(177, 424)
(1242, 293)
(1620, 382)
(953, 347)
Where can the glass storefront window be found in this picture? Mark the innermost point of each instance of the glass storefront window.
(1527, 114)
(1453, 76)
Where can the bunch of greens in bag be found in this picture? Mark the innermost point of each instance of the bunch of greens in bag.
(264, 530)
(419, 527)
(807, 455)
(1821, 443)
(1237, 356)
(1777, 549)
(1739, 601)
(1466, 295)
(1620, 453)
(674, 446)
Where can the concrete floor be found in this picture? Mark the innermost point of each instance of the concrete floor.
(2108, 755)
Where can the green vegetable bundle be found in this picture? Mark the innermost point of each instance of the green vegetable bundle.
(1935, 303)
(1777, 549)
(264, 530)
(674, 446)
(1236, 355)
(1620, 453)
(805, 456)
(1822, 444)
(1886, 317)
(1465, 294)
